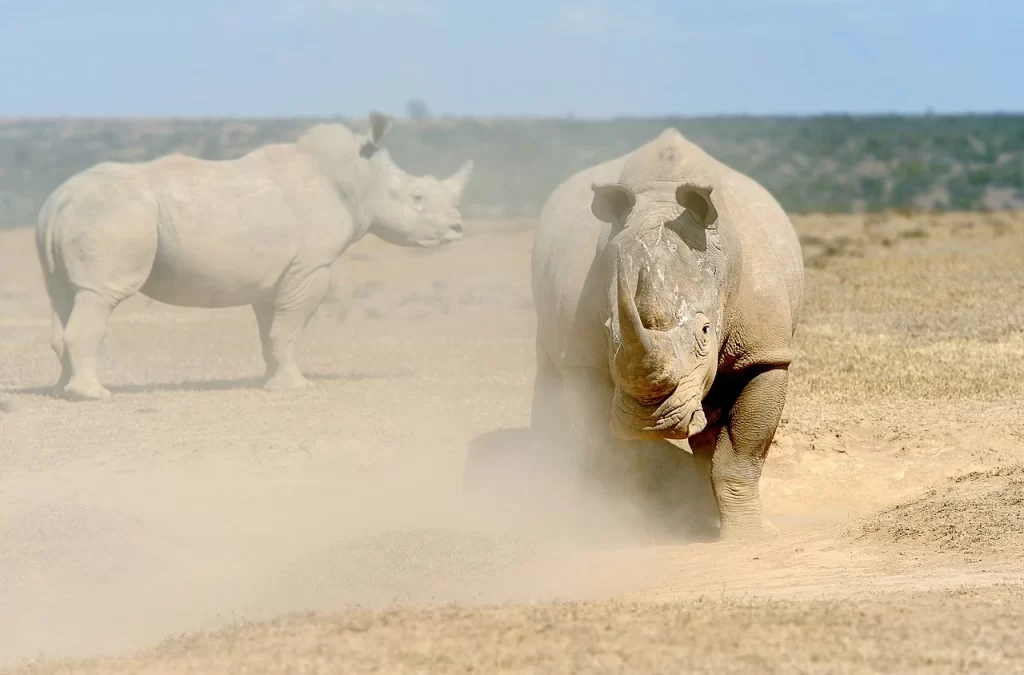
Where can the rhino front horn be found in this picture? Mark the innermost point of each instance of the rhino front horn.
(632, 333)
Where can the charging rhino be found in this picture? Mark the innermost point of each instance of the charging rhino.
(667, 288)
(260, 230)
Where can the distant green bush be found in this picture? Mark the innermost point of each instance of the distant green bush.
(830, 163)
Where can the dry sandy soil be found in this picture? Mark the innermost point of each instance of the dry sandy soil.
(196, 523)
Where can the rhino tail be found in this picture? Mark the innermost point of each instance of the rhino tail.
(44, 236)
(57, 287)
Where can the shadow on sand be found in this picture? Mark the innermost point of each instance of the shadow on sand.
(225, 384)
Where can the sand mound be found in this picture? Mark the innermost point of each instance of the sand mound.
(979, 512)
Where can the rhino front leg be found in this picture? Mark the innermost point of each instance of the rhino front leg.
(264, 320)
(623, 467)
(281, 324)
(547, 414)
(587, 398)
(656, 476)
(734, 453)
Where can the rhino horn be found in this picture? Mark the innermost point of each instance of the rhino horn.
(635, 340)
(457, 181)
(649, 305)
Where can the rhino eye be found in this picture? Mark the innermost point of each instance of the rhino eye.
(417, 198)
(700, 342)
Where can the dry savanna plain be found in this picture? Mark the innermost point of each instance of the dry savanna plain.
(196, 523)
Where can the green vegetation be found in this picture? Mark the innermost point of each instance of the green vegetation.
(828, 164)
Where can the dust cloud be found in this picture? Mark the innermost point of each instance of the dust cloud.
(120, 528)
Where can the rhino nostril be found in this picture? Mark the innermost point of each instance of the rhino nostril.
(457, 227)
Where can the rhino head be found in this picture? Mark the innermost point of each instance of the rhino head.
(391, 203)
(665, 281)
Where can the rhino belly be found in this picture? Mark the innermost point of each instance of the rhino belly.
(202, 288)
(210, 277)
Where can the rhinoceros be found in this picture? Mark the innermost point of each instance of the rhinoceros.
(260, 230)
(667, 289)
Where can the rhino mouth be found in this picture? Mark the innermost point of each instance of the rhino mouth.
(632, 420)
(417, 242)
(444, 240)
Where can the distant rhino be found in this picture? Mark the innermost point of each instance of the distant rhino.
(667, 288)
(260, 230)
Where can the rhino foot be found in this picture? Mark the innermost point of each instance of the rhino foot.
(91, 391)
(287, 382)
(753, 530)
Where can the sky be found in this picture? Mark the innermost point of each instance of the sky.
(588, 58)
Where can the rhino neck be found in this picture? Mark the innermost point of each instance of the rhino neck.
(336, 154)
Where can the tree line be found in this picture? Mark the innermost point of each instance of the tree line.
(836, 163)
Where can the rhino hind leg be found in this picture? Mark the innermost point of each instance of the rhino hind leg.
(61, 301)
(281, 323)
(733, 454)
(83, 337)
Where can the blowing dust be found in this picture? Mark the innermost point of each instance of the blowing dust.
(102, 562)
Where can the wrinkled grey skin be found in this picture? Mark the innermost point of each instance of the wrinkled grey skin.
(260, 230)
(667, 288)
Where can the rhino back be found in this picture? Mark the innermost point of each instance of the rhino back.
(567, 242)
(228, 229)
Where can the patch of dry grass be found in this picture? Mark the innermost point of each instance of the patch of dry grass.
(974, 630)
(936, 315)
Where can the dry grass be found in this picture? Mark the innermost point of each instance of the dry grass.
(968, 630)
(932, 316)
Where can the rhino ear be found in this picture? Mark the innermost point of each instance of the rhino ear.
(612, 202)
(697, 201)
(380, 125)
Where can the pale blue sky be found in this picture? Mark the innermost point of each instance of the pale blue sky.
(592, 58)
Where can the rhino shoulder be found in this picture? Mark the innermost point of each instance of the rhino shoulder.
(768, 267)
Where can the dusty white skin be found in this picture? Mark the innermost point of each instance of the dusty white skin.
(260, 230)
(667, 288)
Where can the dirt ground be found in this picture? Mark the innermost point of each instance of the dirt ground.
(196, 523)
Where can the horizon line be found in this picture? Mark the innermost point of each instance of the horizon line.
(441, 117)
